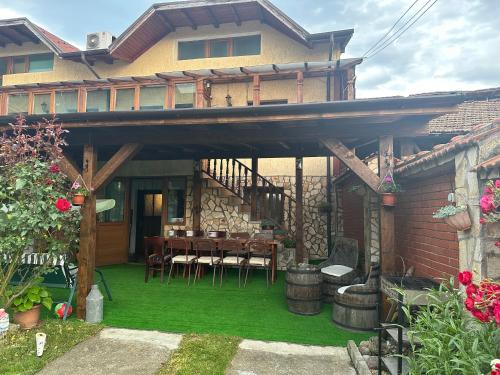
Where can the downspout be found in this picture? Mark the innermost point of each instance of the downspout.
(329, 160)
(84, 60)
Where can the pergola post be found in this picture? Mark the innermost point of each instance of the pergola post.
(253, 202)
(299, 219)
(197, 195)
(300, 87)
(86, 255)
(387, 235)
(256, 90)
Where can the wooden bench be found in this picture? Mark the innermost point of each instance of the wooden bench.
(60, 274)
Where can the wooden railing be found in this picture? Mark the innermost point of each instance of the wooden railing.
(267, 201)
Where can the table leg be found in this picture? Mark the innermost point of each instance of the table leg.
(274, 263)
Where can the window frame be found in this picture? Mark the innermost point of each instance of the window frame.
(10, 63)
(166, 191)
(207, 43)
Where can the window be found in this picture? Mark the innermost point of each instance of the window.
(269, 203)
(41, 104)
(98, 100)
(153, 204)
(152, 98)
(235, 46)
(247, 45)
(3, 66)
(66, 101)
(19, 64)
(176, 200)
(41, 63)
(18, 103)
(124, 100)
(185, 95)
(116, 190)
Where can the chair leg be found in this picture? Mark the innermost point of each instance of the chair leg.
(162, 271)
(213, 278)
(103, 280)
(170, 272)
(196, 272)
(246, 277)
(267, 276)
(189, 273)
(221, 274)
(239, 276)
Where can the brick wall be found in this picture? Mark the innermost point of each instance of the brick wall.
(428, 244)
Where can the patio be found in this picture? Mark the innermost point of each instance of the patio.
(254, 312)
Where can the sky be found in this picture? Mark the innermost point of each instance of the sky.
(454, 46)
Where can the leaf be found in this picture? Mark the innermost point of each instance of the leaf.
(33, 297)
(44, 294)
(47, 303)
(20, 183)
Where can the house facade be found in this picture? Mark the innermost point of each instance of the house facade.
(213, 54)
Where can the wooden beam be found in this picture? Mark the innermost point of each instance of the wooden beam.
(213, 17)
(253, 201)
(236, 15)
(28, 35)
(166, 22)
(300, 87)
(300, 255)
(125, 153)
(190, 20)
(351, 160)
(86, 255)
(387, 228)
(69, 168)
(10, 38)
(256, 90)
(197, 195)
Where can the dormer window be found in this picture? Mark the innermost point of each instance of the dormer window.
(43, 62)
(221, 47)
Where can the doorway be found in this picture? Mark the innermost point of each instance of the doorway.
(149, 218)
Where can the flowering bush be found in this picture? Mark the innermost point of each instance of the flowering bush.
(34, 210)
(388, 185)
(483, 300)
(490, 202)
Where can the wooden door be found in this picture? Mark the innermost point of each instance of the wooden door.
(149, 218)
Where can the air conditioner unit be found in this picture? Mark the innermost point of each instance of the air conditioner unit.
(99, 40)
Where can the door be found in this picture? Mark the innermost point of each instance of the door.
(149, 218)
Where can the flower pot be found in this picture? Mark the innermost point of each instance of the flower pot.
(28, 319)
(78, 199)
(460, 221)
(389, 199)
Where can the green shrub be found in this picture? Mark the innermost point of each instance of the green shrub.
(447, 211)
(31, 297)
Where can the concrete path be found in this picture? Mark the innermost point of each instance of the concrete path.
(117, 351)
(277, 358)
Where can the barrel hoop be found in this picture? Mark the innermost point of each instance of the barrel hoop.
(313, 271)
(297, 284)
(353, 328)
(303, 300)
(356, 307)
(302, 313)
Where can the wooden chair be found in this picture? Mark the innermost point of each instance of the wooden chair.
(259, 256)
(206, 255)
(155, 257)
(179, 252)
(232, 255)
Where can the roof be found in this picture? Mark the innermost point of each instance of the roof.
(22, 30)
(163, 18)
(442, 152)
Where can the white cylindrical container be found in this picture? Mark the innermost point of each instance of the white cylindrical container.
(94, 306)
(40, 338)
(4, 322)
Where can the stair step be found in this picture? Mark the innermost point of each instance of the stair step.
(234, 200)
(246, 208)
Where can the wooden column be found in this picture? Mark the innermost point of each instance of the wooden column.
(300, 87)
(197, 195)
(351, 92)
(387, 235)
(86, 255)
(200, 97)
(329, 202)
(300, 255)
(256, 90)
(253, 205)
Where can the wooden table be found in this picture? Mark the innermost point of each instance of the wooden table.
(218, 241)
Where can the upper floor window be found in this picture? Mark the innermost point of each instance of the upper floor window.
(66, 101)
(224, 47)
(185, 94)
(98, 100)
(152, 98)
(27, 64)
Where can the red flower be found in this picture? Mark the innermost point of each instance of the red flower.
(496, 312)
(49, 181)
(480, 315)
(487, 204)
(471, 289)
(54, 168)
(497, 244)
(62, 204)
(465, 277)
(482, 220)
(469, 303)
(497, 183)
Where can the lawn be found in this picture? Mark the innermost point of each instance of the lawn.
(254, 312)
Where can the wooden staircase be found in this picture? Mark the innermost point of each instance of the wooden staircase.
(262, 200)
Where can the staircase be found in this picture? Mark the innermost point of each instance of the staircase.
(261, 199)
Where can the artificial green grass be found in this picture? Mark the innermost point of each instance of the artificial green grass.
(201, 354)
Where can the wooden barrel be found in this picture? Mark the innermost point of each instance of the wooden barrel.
(356, 308)
(303, 289)
(330, 284)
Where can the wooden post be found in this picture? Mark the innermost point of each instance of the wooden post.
(86, 255)
(351, 92)
(299, 220)
(253, 203)
(387, 235)
(300, 87)
(197, 195)
(200, 97)
(329, 202)
(256, 90)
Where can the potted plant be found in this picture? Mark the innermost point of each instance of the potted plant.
(267, 224)
(388, 189)
(79, 193)
(455, 216)
(26, 306)
(289, 243)
(279, 234)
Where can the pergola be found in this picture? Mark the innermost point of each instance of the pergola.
(292, 130)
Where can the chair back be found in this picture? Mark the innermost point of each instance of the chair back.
(179, 246)
(204, 247)
(345, 252)
(153, 245)
(259, 248)
(238, 235)
(232, 246)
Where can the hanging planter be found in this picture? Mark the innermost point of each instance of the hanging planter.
(389, 199)
(79, 191)
(388, 189)
(455, 216)
(78, 200)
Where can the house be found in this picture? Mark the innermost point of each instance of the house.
(175, 119)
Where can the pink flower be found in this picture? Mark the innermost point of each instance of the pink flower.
(63, 205)
(497, 184)
(487, 204)
(465, 277)
(482, 220)
(75, 186)
(388, 179)
(54, 168)
(488, 190)
(471, 289)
